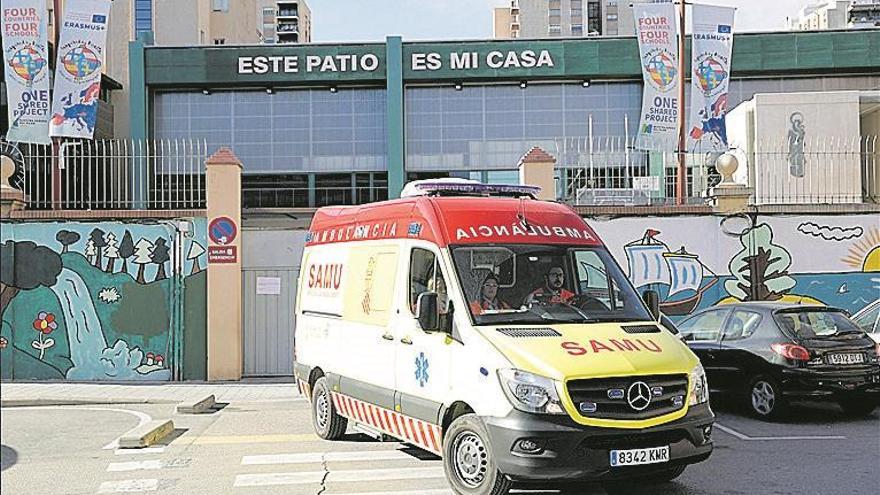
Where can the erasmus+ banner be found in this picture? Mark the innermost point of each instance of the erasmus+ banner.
(78, 68)
(712, 46)
(27, 70)
(656, 31)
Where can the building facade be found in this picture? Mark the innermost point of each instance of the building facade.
(837, 14)
(564, 18)
(324, 124)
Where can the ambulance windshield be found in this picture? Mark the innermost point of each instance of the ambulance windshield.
(530, 283)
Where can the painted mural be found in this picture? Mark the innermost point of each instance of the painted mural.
(697, 262)
(102, 301)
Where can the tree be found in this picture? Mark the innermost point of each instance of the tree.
(195, 251)
(142, 251)
(91, 251)
(66, 238)
(761, 268)
(25, 266)
(111, 252)
(159, 257)
(126, 250)
(97, 238)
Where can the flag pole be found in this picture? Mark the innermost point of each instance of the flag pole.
(56, 141)
(681, 175)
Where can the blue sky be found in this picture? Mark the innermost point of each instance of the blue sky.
(372, 20)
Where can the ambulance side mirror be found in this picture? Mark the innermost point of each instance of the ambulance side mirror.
(652, 301)
(428, 311)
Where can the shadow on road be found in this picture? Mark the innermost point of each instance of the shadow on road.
(8, 457)
(801, 413)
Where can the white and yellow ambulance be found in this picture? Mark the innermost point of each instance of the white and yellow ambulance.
(496, 331)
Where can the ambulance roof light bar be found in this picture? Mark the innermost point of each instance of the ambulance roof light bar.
(465, 187)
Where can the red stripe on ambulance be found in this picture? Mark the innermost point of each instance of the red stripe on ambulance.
(412, 430)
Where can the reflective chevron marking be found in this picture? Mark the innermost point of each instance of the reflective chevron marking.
(415, 431)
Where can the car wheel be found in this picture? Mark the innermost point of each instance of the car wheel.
(858, 406)
(765, 399)
(469, 461)
(328, 424)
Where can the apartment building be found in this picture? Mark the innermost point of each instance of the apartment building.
(837, 14)
(564, 18)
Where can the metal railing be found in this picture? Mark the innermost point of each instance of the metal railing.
(611, 171)
(113, 174)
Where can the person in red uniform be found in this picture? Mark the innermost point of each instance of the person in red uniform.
(552, 292)
(488, 297)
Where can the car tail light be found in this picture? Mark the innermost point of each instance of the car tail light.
(791, 351)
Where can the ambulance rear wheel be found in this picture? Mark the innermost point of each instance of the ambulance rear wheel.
(329, 425)
(468, 460)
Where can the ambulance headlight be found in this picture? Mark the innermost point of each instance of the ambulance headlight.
(699, 387)
(530, 393)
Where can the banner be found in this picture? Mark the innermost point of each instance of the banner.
(78, 68)
(712, 46)
(27, 70)
(658, 51)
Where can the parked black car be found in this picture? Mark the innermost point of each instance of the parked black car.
(772, 354)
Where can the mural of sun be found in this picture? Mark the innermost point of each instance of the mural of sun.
(865, 252)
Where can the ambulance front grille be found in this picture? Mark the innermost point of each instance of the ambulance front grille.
(529, 332)
(601, 397)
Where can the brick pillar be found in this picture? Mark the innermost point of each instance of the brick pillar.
(538, 168)
(223, 171)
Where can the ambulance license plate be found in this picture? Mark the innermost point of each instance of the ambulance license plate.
(635, 457)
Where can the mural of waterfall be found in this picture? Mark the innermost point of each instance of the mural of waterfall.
(92, 358)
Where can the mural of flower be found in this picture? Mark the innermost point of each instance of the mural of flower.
(3, 343)
(44, 324)
(109, 295)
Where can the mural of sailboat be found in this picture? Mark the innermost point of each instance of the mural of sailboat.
(650, 261)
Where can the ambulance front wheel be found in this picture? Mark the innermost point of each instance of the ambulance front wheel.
(468, 459)
(329, 425)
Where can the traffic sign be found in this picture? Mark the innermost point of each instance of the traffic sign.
(222, 230)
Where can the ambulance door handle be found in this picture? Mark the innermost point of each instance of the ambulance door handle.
(406, 340)
(388, 336)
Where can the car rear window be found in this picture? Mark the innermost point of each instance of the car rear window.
(808, 324)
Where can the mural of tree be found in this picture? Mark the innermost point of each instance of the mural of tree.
(91, 251)
(761, 268)
(111, 251)
(97, 238)
(159, 257)
(195, 251)
(25, 266)
(142, 251)
(126, 250)
(67, 239)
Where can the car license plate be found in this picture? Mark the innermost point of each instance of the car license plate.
(635, 457)
(848, 358)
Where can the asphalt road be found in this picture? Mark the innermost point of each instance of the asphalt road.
(267, 448)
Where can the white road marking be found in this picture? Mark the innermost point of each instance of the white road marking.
(743, 436)
(440, 491)
(308, 477)
(142, 417)
(129, 486)
(317, 457)
(134, 466)
(146, 450)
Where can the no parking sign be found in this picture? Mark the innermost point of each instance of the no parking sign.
(222, 230)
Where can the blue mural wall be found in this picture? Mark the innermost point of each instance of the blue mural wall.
(103, 301)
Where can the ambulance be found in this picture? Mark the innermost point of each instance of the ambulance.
(497, 332)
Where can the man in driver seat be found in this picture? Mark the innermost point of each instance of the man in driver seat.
(552, 292)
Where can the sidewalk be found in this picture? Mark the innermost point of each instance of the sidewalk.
(20, 394)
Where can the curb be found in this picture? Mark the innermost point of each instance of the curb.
(147, 434)
(197, 406)
(79, 402)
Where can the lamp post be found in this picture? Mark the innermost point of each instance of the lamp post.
(56, 141)
(681, 173)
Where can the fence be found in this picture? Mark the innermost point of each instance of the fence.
(112, 174)
(611, 171)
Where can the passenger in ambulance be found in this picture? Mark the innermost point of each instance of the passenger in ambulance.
(438, 284)
(488, 299)
(553, 290)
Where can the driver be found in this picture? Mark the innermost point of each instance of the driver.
(552, 292)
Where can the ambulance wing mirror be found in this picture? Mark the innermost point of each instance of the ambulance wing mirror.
(652, 301)
(428, 311)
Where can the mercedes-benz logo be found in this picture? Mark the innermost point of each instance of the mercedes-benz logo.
(638, 395)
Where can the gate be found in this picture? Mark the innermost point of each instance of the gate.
(270, 270)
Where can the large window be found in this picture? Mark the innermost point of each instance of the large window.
(284, 132)
(143, 16)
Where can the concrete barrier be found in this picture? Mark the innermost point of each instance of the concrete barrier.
(147, 434)
(196, 406)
